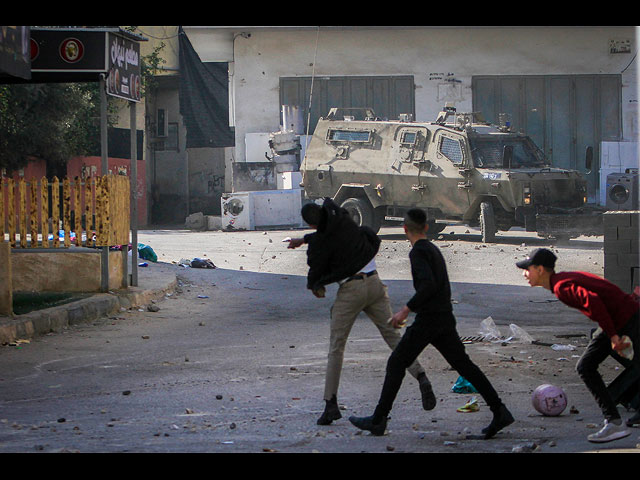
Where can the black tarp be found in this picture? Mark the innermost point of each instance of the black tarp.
(204, 98)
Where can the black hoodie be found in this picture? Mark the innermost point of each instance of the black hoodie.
(339, 248)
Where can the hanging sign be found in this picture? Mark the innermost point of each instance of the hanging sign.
(125, 73)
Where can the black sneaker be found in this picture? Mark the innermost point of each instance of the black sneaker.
(500, 420)
(428, 398)
(366, 423)
(331, 412)
(635, 420)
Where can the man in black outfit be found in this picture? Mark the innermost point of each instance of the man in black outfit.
(341, 251)
(434, 324)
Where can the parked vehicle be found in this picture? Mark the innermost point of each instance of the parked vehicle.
(459, 169)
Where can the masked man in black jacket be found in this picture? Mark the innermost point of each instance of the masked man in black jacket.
(434, 324)
(341, 251)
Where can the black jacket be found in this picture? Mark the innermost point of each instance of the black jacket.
(339, 248)
(430, 280)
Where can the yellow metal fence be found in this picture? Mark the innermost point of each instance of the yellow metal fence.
(93, 212)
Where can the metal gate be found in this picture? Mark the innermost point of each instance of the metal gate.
(564, 114)
(388, 96)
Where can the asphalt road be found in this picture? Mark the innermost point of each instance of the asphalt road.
(234, 361)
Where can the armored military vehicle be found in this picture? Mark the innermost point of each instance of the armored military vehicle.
(459, 169)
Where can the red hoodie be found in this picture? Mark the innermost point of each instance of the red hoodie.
(599, 299)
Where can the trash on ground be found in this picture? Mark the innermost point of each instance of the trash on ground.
(526, 448)
(491, 333)
(470, 406)
(202, 263)
(462, 385)
(559, 347)
(520, 334)
(489, 330)
(146, 253)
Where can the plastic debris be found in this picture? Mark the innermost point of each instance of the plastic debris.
(559, 347)
(462, 385)
(520, 334)
(489, 330)
(146, 253)
(470, 406)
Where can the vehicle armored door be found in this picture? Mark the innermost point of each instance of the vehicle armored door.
(409, 165)
(440, 180)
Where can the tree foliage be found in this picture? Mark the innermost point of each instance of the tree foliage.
(49, 121)
(57, 121)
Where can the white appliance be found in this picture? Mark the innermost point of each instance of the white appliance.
(622, 190)
(615, 157)
(265, 209)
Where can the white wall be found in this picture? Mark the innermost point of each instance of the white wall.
(426, 53)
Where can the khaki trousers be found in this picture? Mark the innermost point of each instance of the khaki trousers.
(368, 295)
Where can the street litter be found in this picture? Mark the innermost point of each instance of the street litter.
(491, 333)
(462, 385)
(146, 253)
(202, 263)
(470, 406)
(520, 334)
(558, 347)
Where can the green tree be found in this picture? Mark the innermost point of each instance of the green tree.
(57, 121)
(49, 121)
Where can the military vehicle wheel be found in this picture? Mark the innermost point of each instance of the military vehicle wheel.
(362, 213)
(487, 223)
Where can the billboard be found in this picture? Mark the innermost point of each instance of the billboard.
(82, 54)
(125, 77)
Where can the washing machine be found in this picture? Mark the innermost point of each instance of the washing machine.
(622, 190)
(264, 209)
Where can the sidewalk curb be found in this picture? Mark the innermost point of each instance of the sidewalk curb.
(55, 319)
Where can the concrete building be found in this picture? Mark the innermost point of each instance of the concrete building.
(569, 87)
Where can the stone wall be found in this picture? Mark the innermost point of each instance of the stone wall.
(621, 257)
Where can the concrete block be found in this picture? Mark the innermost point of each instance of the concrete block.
(214, 222)
(615, 219)
(635, 219)
(617, 246)
(610, 261)
(627, 232)
(628, 260)
(610, 233)
(196, 221)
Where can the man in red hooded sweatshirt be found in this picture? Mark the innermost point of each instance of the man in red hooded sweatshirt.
(615, 312)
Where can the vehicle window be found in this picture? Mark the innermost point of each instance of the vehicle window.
(409, 138)
(487, 153)
(452, 149)
(357, 136)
